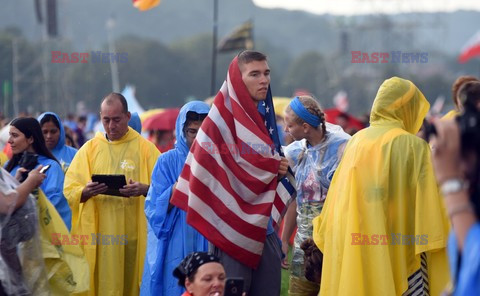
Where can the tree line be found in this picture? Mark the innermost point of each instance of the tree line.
(168, 75)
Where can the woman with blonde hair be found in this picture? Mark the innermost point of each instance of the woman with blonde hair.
(314, 157)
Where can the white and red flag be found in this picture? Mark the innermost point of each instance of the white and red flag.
(229, 185)
(471, 49)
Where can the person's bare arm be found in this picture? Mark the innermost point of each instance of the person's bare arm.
(34, 179)
(289, 223)
(446, 161)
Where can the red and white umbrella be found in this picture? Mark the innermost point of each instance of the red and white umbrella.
(164, 120)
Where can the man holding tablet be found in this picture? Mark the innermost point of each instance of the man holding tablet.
(115, 268)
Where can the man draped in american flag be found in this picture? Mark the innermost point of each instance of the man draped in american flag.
(236, 183)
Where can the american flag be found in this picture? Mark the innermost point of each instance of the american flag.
(229, 185)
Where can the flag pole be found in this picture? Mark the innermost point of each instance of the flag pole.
(110, 25)
(214, 47)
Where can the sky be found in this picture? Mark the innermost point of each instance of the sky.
(351, 7)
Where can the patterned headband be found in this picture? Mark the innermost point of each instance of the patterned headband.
(192, 262)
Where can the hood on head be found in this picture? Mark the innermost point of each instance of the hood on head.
(194, 106)
(61, 139)
(135, 122)
(399, 101)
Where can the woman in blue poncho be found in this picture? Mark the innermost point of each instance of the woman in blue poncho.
(54, 135)
(26, 139)
(170, 239)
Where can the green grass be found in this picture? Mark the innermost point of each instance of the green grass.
(285, 276)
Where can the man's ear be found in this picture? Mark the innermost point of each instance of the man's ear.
(129, 115)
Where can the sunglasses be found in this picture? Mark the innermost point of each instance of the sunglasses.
(192, 132)
(194, 116)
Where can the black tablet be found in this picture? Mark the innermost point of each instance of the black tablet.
(113, 182)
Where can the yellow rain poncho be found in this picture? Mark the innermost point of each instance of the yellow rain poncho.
(383, 208)
(115, 227)
(3, 159)
(450, 115)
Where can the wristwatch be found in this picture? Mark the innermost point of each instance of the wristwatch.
(453, 186)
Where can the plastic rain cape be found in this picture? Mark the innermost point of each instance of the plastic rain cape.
(116, 226)
(314, 167)
(22, 271)
(170, 238)
(385, 187)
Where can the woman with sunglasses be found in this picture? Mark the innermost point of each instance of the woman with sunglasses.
(170, 238)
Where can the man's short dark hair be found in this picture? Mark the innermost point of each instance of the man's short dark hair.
(248, 56)
(116, 96)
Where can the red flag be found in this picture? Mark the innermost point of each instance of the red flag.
(145, 4)
(471, 49)
(229, 186)
(353, 122)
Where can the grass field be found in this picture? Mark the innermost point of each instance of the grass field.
(285, 276)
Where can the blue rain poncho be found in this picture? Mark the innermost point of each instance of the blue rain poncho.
(63, 153)
(170, 238)
(135, 122)
(52, 187)
(466, 274)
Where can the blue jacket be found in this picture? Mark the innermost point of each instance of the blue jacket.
(52, 186)
(63, 153)
(169, 238)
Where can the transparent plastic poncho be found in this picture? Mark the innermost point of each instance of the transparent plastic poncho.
(314, 167)
(22, 270)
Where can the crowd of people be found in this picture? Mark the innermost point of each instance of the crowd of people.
(391, 210)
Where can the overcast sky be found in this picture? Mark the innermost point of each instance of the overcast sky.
(349, 7)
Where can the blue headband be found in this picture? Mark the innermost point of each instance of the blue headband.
(303, 113)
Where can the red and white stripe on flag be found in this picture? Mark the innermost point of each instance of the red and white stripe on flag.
(229, 183)
(471, 49)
